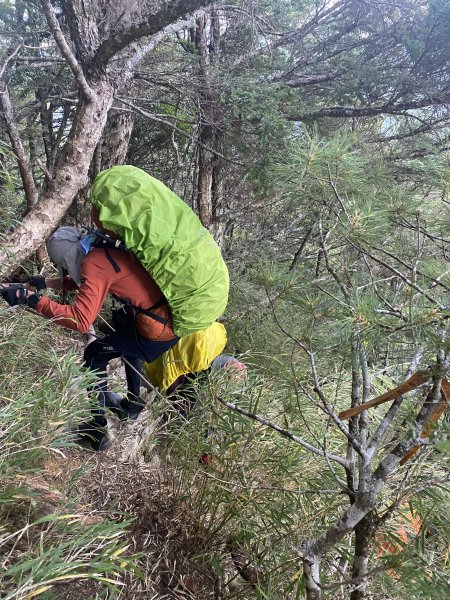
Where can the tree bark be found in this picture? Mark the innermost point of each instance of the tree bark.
(116, 138)
(311, 572)
(209, 182)
(69, 177)
(364, 532)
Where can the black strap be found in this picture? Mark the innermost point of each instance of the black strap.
(127, 303)
(114, 265)
(161, 302)
(149, 313)
(144, 311)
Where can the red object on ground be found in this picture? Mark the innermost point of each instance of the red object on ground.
(205, 459)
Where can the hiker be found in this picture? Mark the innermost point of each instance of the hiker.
(143, 325)
(182, 370)
(169, 240)
(157, 257)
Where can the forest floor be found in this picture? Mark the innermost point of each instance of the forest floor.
(131, 480)
(120, 484)
(145, 518)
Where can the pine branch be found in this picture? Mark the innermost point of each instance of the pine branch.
(325, 406)
(284, 432)
(398, 273)
(402, 262)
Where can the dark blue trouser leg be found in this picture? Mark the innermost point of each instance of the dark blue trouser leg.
(133, 380)
(134, 349)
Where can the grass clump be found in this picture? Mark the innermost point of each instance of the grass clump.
(47, 537)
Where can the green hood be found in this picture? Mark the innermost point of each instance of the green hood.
(170, 242)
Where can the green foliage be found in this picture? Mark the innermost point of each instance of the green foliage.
(257, 490)
(11, 206)
(340, 263)
(419, 568)
(372, 274)
(43, 390)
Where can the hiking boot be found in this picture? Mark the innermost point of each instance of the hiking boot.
(100, 443)
(110, 400)
(121, 407)
(96, 437)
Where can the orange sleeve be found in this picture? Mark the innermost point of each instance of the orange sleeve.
(96, 277)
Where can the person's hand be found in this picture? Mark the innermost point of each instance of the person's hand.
(14, 293)
(36, 281)
(17, 293)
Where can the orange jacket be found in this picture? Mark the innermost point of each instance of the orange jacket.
(98, 278)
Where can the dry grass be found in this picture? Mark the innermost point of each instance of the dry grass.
(120, 485)
(101, 490)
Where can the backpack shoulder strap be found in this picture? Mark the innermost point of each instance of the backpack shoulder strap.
(114, 264)
(105, 241)
(144, 311)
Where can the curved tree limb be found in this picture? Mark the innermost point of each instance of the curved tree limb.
(157, 18)
(284, 432)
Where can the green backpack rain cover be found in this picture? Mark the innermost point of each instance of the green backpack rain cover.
(170, 242)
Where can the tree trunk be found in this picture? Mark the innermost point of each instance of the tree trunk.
(365, 501)
(311, 572)
(111, 150)
(209, 183)
(116, 138)
(70, 175)
(363, 536)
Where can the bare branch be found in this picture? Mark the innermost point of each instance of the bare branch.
(44, 169)
(333, 273)
(284, 432)
(26, 173)
(301, 248)
(437, 99)
(66, 50)
(9, 59)
(304, 80)
(365, 502)
(153, 117)
(321, 15)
